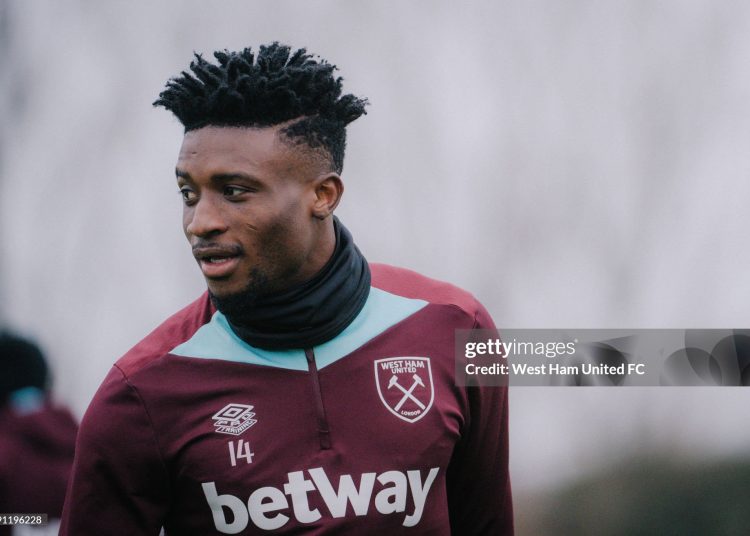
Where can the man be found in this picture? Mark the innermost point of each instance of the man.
(307, 390)
(37, 438)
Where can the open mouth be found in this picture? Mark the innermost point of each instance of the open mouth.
(217, 262)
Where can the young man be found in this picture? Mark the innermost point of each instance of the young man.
(307, 390)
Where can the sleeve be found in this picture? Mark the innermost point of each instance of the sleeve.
(478, 477)
(119, 483)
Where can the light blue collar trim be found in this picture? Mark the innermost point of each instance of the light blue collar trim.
(26, 400)
(216, 340)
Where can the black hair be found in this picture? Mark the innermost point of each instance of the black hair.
(275, 87)
(22, 364)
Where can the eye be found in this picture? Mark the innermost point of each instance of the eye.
(234, 191)
(187, 194)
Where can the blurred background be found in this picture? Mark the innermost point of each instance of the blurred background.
(573, 164)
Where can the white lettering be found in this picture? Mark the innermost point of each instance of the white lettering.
(258, 509)
(391, 499)
(297, 488)
(419, 493)
(265, 504)
(217, 504)
(525, 368)
(347, 492)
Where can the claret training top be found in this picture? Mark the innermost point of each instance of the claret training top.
(198, 432)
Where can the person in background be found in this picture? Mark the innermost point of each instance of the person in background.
(37, 438)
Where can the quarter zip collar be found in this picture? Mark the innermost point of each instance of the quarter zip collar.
(324, 434)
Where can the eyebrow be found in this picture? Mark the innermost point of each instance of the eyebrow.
(218, 177)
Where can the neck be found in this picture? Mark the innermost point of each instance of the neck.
(321, 254)
(314, 311)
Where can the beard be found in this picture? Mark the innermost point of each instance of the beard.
(238, 304)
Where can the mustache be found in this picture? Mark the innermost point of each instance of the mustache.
(215, 248)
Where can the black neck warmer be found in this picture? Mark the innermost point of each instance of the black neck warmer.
(312, 312)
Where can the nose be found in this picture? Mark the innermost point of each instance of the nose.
(205, 219)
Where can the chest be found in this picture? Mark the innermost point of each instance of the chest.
(370, 436)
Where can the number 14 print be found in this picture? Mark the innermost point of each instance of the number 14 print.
(241, 451)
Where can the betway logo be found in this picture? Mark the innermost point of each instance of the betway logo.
(266, 505)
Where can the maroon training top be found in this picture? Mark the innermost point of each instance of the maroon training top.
(36, 453)
(196, 431)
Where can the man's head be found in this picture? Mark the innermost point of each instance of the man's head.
(22, 365)
(259, 166)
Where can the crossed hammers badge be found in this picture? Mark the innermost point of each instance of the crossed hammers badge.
(405, 386)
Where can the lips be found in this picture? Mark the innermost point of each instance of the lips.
(217, 262)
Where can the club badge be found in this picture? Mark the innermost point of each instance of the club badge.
(405, 386)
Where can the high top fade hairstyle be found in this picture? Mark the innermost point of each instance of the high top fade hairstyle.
(276, 86)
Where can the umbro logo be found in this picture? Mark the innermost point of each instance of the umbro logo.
(234, 419)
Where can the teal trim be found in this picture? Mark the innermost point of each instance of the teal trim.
(381, 311)
(216, 340)
(26, 400)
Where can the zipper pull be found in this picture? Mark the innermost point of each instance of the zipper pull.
(324, 435)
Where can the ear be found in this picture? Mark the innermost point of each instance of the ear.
(328, 191)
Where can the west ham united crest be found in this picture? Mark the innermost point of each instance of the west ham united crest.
(405, 386)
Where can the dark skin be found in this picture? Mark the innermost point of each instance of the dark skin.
(257, 208)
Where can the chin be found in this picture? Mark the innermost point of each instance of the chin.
(223, 289)
(232, 298)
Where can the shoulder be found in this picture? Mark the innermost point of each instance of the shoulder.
(410, 284)
(173, 331)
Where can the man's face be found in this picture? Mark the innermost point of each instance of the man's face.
(248, 209)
